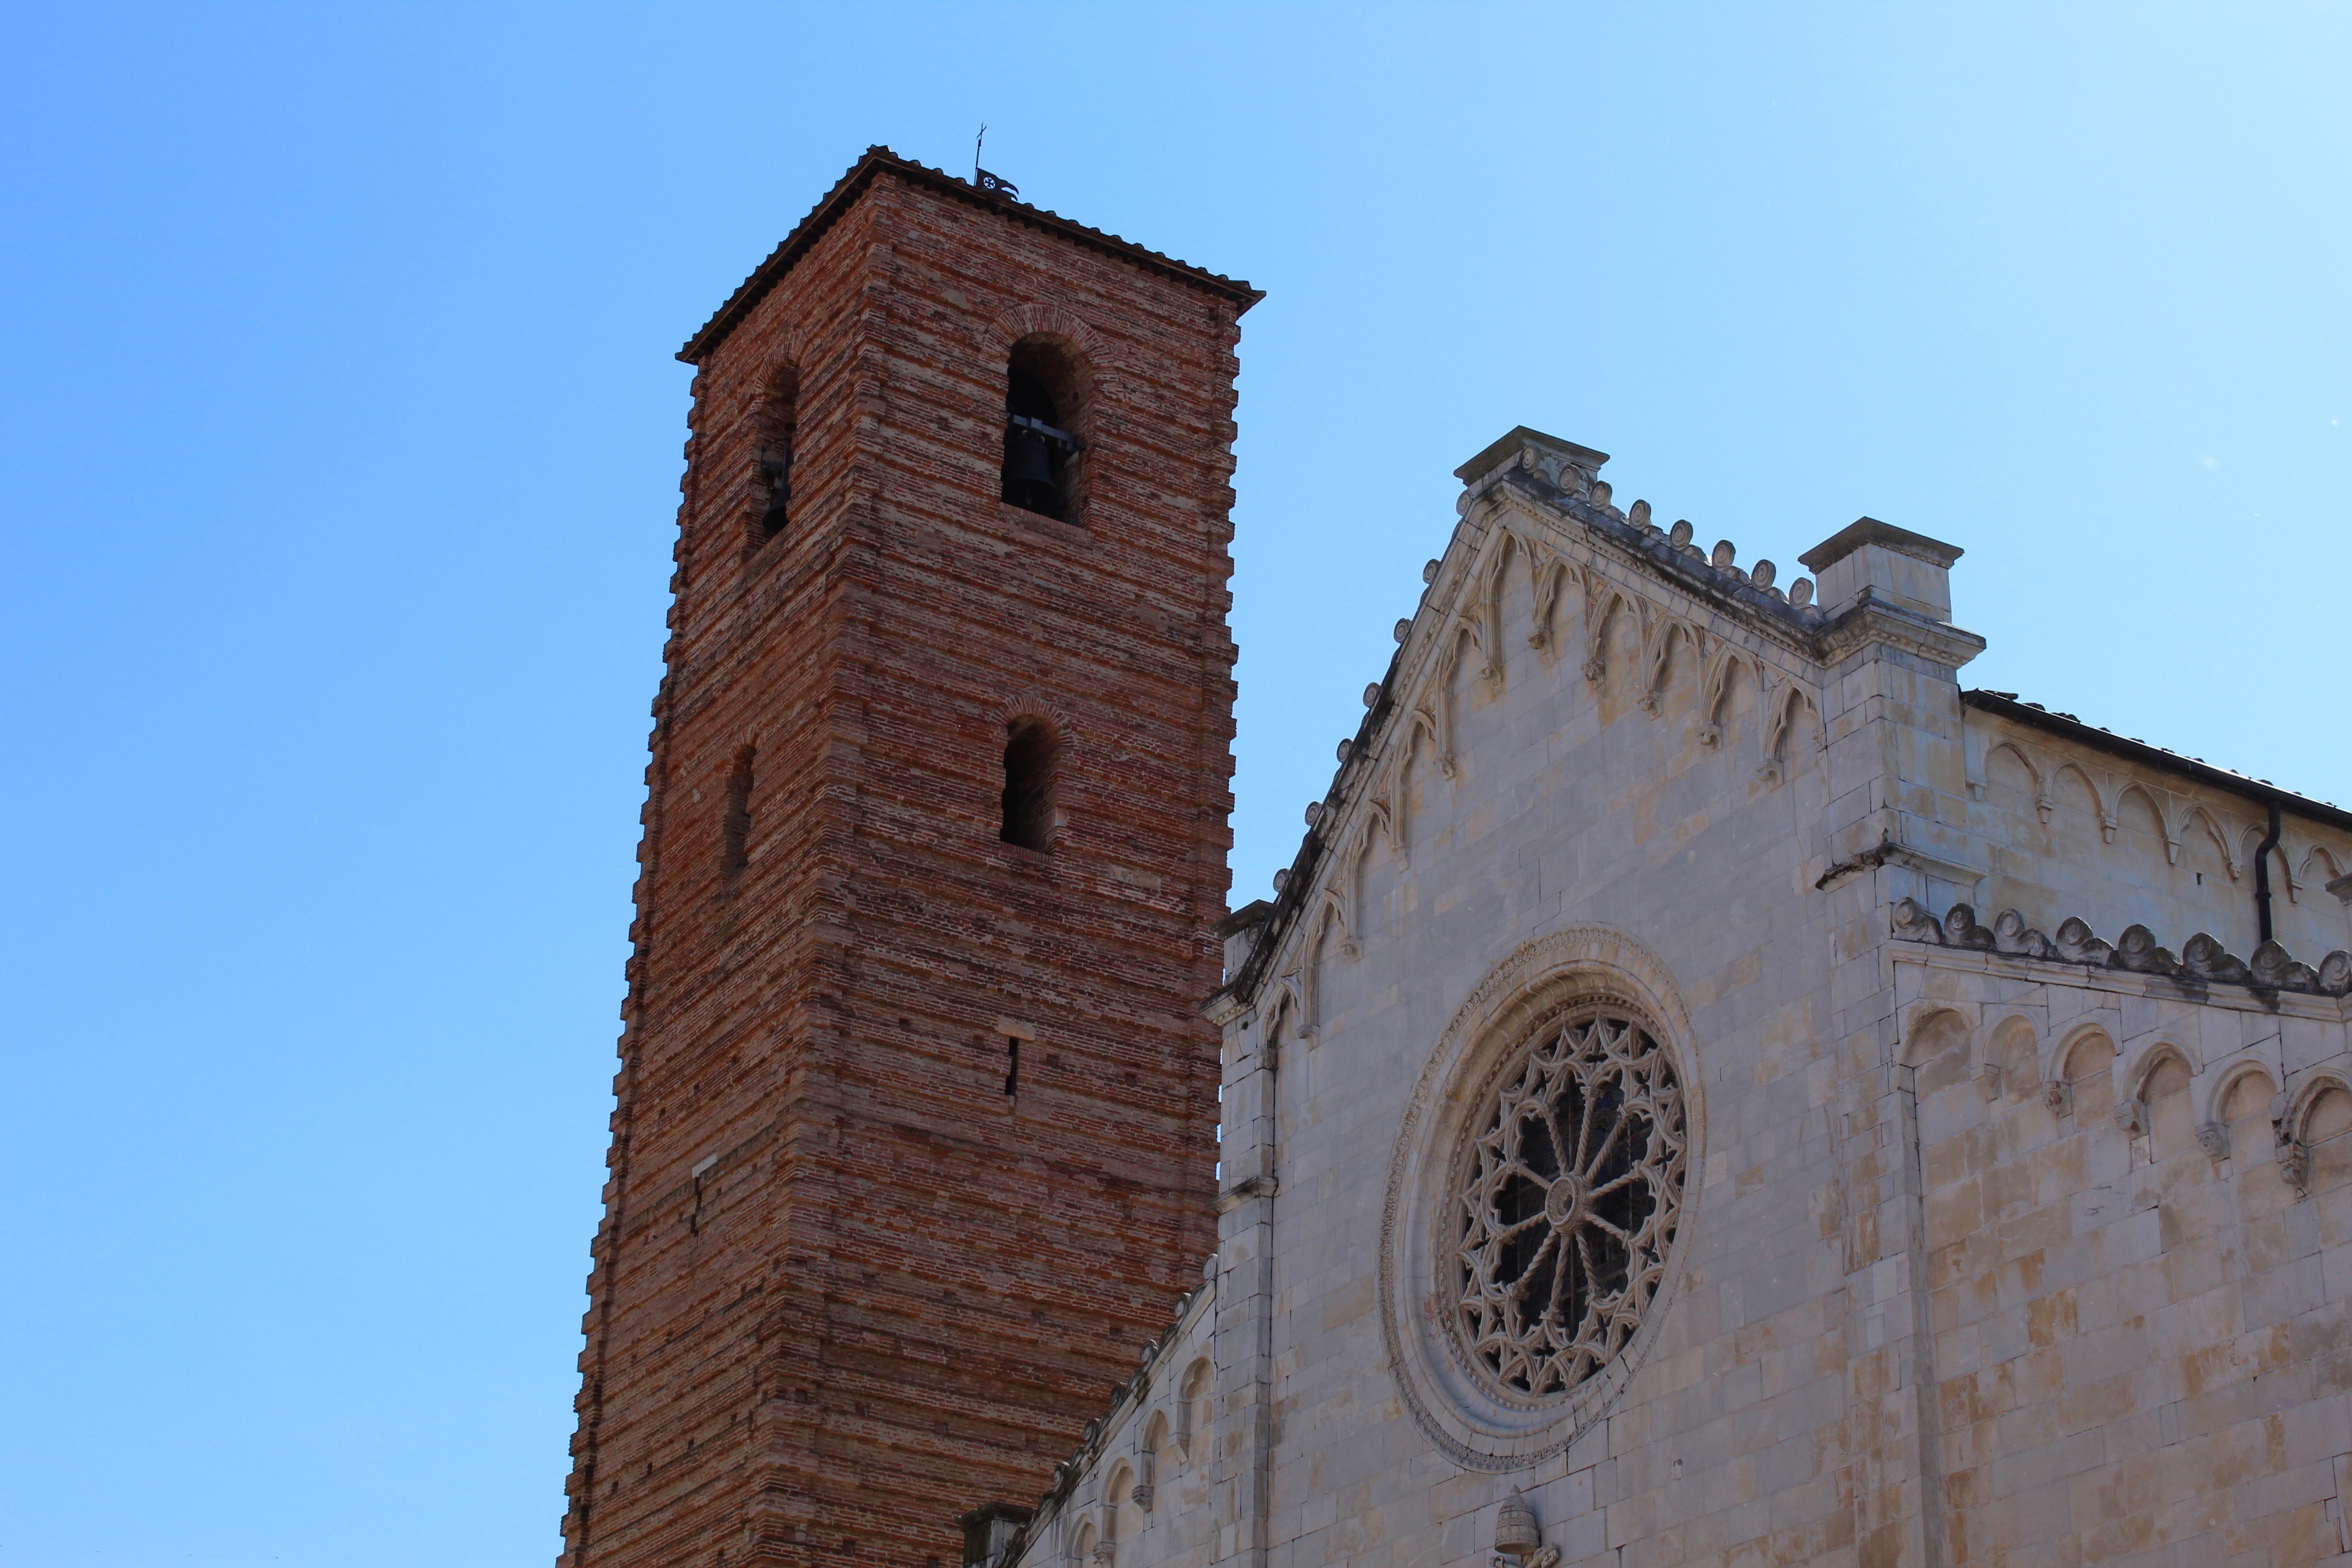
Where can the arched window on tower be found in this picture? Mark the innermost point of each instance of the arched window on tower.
(1043, 399)
(779, 411)
(1031, 752)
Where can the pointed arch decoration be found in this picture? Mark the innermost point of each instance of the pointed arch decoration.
(2165, 825)
(1786, 701)
(2035, 776)
(2197, 815)
(2318, 868)
(1603, 605)
(1508, 547)
(2089, 787)
(1658, 643)
(1550, 575)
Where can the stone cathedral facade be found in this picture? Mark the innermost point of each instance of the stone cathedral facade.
(1713, 1090)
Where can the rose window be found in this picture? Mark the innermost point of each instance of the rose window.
(1568, 1201)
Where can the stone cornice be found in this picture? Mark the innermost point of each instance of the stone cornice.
(2121, 982)
(1873, 621)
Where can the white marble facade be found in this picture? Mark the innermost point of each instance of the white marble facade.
(1993, 1239)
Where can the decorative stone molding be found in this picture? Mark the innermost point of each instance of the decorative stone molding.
(2010, 934)
(2203, 957)
(1885, 624)
(1960, 928)
(2213, 1137)
(2138, 951)
(1125, 1401)
(2075, 944)
(2058, 1097)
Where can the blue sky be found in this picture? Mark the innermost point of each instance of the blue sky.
(338, 440)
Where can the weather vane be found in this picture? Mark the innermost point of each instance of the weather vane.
(982, 177)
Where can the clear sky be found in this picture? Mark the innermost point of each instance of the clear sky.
(338, 440)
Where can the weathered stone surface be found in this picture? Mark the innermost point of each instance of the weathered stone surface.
(1998, 1248)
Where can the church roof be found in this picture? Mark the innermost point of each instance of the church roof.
(879, 160)
(2007, 705)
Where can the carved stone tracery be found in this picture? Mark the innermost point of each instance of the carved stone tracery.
(1570, 1198)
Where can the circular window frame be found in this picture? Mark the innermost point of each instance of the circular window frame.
(1471, 1416)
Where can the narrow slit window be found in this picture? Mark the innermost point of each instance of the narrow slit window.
(778, 418)
(1029, 754)
(736, 834)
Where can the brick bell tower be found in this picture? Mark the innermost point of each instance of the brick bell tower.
(915, 1121)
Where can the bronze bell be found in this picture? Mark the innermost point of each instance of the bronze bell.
(1515, 1534)
(776, 470)
(1029, 478)
(1029, 461)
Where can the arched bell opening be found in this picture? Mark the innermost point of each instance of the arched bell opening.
(1043, 408)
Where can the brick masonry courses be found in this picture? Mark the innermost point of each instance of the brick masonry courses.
(845, 1287)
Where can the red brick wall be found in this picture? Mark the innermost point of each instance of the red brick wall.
(894, 1293)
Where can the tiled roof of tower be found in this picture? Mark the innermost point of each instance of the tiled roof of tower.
(878, 160)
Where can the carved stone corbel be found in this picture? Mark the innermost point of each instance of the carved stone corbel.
(1961, 928)
(2295, 1164)
(2203, 957)
(2288, 1147)
(1549, 577)
(2058, 1097)
(2075, 944)
(1914, 923)
(2011, 934)
(2138, 952)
